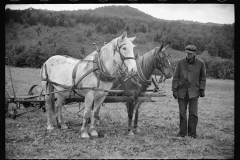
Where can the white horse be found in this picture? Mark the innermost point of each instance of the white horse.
(94, 76)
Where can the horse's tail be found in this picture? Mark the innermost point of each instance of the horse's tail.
(47, 87)
(51, 96)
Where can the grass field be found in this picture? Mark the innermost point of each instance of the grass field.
(26, 136)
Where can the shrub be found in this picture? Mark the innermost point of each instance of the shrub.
(216, 67)
(221, 68)
(206, 57)
(35, 57)
(62, 50)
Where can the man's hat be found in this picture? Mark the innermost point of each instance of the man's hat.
(190, 49)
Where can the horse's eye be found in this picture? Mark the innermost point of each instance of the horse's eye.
(124, 48)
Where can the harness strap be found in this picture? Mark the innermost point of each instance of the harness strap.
(99, 69)
(102, 69)
(75, 71)
(87, 73)
(73, 75)
(57, 84)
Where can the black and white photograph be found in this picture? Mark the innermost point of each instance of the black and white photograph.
(120, 81)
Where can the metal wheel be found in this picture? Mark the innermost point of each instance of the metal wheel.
(37, 91)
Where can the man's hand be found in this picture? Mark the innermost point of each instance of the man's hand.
(175, 94)
(202, 93)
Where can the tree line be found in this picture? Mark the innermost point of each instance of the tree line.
(32, 35)
(217, 40)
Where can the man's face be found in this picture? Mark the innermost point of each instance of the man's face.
(190, 55)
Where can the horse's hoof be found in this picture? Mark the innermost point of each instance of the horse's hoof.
(85, 135)
(49, 128)
(130, 133)
(94, 133)
(137, 130)
(64, 126)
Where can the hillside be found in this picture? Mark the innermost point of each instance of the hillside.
(199, 23)
(122, 11)
(33, 35)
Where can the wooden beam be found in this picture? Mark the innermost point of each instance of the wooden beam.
(156, 94)
(112, 99)
(108, 99)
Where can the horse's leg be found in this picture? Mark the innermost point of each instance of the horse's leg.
(58, 105)
(87, 113)
(47, 88)
(56, 112)
(137, 106)
(97, 118)
(95, 111)
(89, 119)
(130, 108)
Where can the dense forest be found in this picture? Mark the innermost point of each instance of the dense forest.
(33, 35)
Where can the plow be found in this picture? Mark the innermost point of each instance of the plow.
(35, 100)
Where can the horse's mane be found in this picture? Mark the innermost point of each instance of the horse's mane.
(91, 56)
(67, 56)
(146, 61)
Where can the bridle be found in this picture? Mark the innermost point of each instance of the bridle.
(140, 74)
(103, 68)
(162, 78)
(123, 58)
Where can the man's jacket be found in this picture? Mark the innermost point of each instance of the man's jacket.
(189, 77)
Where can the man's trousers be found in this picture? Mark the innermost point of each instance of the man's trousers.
(190, 126)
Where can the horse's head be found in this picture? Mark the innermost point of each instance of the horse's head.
(124, 55)
(162, 62)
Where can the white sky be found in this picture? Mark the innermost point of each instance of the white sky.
(216, 13)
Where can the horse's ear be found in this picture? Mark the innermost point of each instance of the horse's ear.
(132, 39)
(160, 51)
(166, 46)
(160, 48)
(123, 35)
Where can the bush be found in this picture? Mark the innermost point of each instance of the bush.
(62, 50)
(35, 57)
(221, 68)
(216, 67)
(206, 57)
(20, 60)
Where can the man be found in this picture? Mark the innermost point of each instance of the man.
(188, 84)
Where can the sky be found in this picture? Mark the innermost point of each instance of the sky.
(215, 13)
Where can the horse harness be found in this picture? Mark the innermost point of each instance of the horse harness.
(141, 76)
(99, 70)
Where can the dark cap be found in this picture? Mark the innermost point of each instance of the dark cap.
(190, 49)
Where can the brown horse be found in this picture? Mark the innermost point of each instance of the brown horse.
(154, 59)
